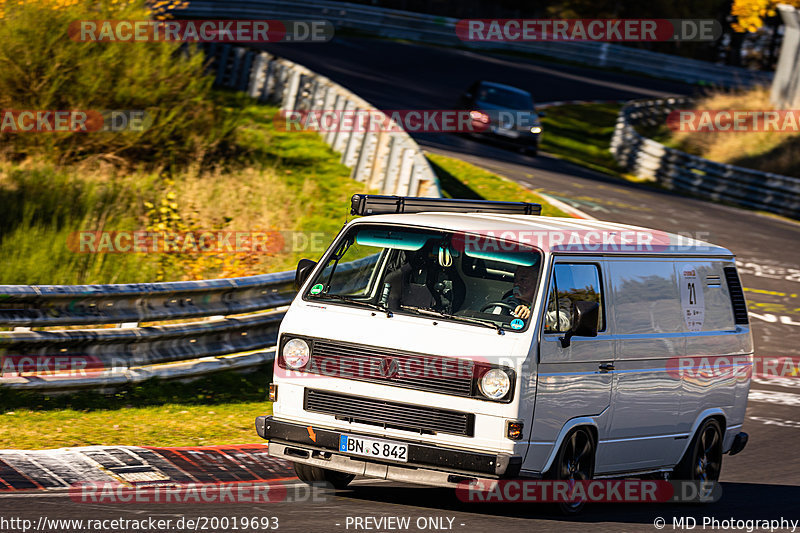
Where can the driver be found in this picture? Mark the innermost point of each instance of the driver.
(524, 289)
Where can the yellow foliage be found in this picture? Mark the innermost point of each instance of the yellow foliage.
(750, 14)
(159, 9)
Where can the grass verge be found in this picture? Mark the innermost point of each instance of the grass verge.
(581, 134)
(218, 409)
(459, 179)
(286, 182)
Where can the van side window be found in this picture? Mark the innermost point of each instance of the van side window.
(571, 283)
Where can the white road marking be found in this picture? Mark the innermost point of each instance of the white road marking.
(793, 382)
(779, 398)
(794, 424)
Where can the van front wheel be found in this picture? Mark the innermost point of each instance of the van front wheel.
(574, 463)
(314, 475)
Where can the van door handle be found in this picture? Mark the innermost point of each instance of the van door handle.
(606, 367)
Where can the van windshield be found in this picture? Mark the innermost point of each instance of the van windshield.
(470, 278)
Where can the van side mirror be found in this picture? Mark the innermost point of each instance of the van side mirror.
(541, 114)
(585, 320)
(304, 268)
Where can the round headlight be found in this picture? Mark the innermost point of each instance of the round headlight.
(296, 353)
(495, 384)
(536, 129)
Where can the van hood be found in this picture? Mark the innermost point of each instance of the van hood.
(425, 335)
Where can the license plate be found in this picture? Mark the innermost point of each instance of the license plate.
(382, 449)
(507, 133)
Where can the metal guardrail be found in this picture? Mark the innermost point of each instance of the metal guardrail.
(420, 27)
(680, 171)
(134, 351)
(72, 358)
(387, 161)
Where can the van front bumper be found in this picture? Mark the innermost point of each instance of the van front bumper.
(427, 464)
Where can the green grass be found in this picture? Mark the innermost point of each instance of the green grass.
(459, 179)
(273, 181)
(219, 409)
(581, 134)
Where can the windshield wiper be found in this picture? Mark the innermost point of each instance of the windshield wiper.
(339, 297)
(469, 320)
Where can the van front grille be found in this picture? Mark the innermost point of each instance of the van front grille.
(445, 375)
(417, 418)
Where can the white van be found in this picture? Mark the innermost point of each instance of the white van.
(453, 340)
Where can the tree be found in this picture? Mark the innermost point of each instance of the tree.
(751, 14)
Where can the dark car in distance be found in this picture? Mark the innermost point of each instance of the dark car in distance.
(503, 113)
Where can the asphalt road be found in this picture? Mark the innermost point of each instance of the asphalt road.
(763, 482)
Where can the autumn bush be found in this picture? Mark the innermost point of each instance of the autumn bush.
(769, 151)
(42, 68)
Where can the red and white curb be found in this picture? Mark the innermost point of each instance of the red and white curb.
(135, 465)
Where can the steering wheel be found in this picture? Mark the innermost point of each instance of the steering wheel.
(503, 305)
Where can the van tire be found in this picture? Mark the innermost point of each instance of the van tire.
(703, 459)
(574, 461)
(314, 475)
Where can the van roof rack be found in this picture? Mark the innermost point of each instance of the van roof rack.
(376, 204)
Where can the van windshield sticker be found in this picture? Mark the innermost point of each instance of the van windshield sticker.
(316, 289)
(692, 301)
(517, 323)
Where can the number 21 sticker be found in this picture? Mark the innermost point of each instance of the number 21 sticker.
(692, 303)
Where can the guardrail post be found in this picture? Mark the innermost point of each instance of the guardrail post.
(354, 141)
(405, 174)
(269, 79)
(280, 79)
(223, 52)
(340, 137)
(393, 164)
(339, 101)
(292, 88)
(235, 72)
(329, 100)
(257, 76)
(380, 161)
(244, 78)
(366, 156)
